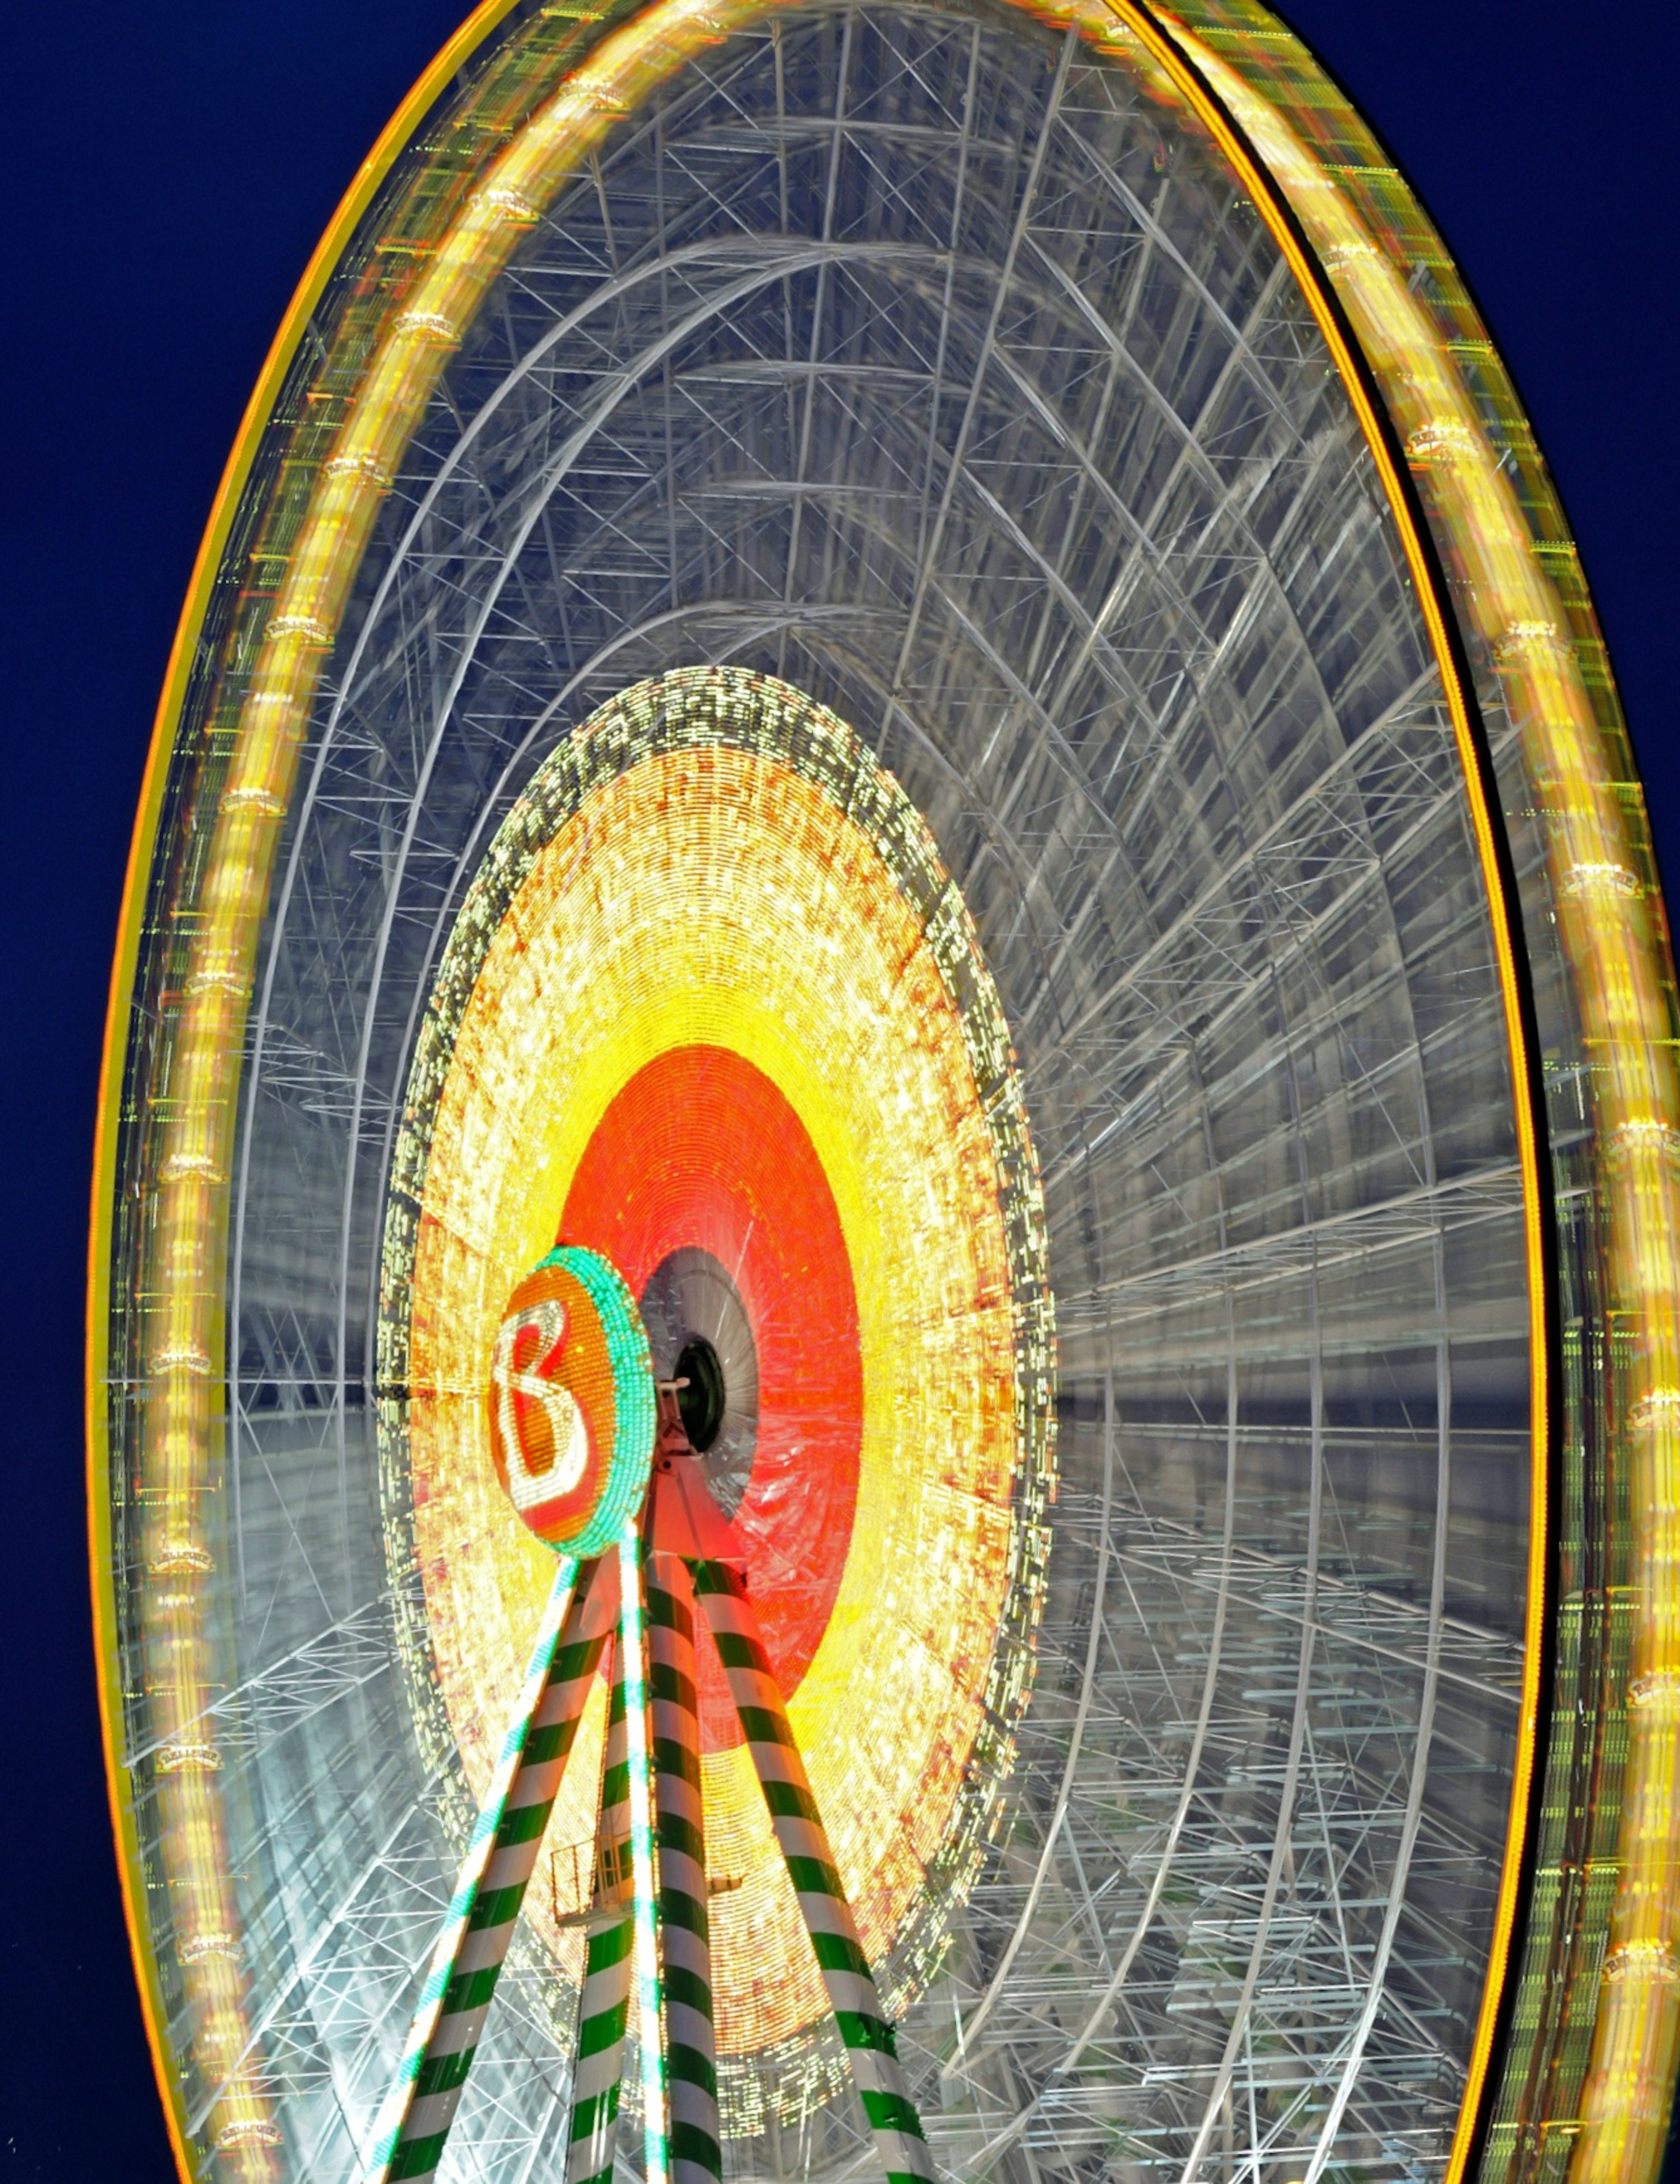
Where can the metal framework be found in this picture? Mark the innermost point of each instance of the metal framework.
(940, 363)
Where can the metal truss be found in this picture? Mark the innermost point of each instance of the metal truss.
(931, 364)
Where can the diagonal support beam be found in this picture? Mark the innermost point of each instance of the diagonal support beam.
(684, 1929)
(648, 2012)
(603, 2006)
(803, 1843)
(473, 1944)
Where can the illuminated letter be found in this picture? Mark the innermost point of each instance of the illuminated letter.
(545, 1317)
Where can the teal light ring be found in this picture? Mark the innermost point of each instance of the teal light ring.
(634, 1404)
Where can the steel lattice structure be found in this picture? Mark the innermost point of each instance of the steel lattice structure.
(1076, 403)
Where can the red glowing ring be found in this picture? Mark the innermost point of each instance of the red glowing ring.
(700, 1149)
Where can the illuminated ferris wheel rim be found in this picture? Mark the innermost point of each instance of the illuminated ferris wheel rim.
(1359, 302)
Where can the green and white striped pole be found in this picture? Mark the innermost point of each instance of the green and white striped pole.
(603, 2006)
(502, 1852)
(647, 2014)
(803, 1843)
(685, 1931)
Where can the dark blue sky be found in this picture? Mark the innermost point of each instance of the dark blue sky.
(169, 168)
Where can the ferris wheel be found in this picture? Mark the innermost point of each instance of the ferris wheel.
(883, 1370)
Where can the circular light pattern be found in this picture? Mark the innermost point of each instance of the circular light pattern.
(714, 993)
(571, 1408)
(700, 1151)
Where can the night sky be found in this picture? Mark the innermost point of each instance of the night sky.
(171, 166)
